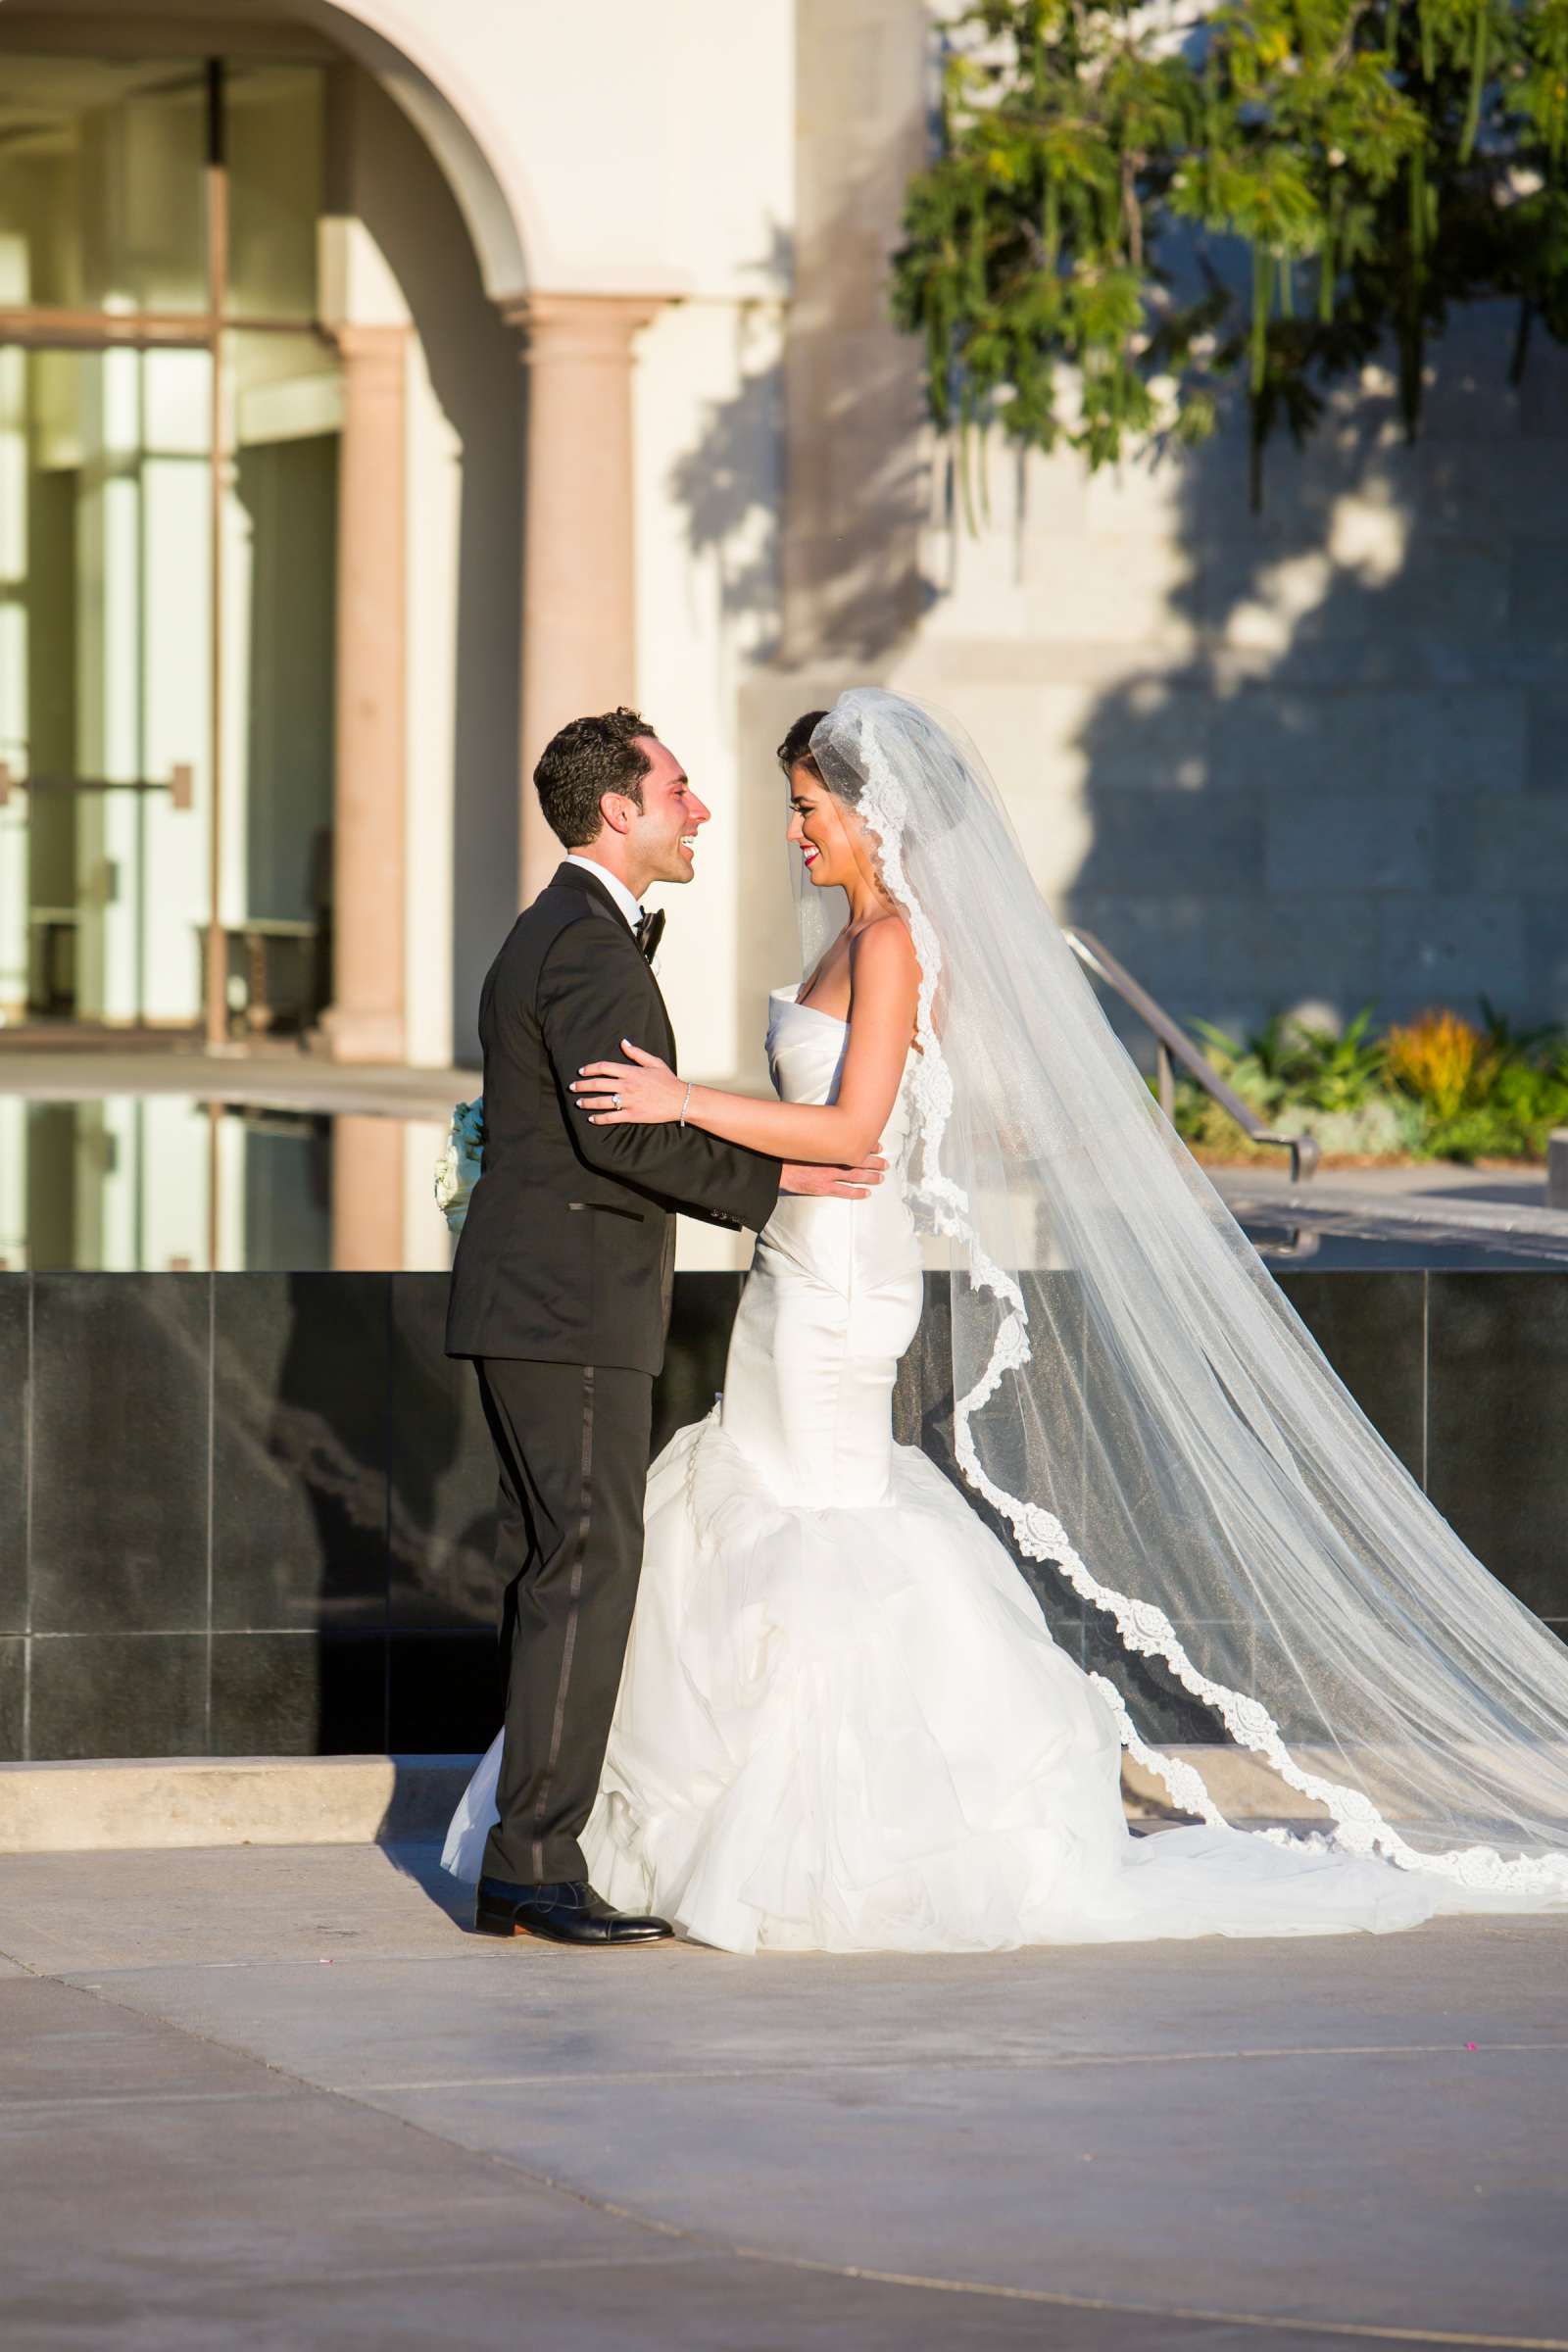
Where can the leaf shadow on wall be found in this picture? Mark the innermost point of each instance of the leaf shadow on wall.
(1337, 780)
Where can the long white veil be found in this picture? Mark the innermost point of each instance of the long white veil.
(1138, 1401)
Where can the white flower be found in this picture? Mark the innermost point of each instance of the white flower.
(462, 1162)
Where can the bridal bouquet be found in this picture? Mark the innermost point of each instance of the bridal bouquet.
(462, 1162)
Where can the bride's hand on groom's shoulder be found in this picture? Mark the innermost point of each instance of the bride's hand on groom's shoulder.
(644, 1092)
(834, 1184)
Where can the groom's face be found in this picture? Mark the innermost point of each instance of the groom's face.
(661, 835)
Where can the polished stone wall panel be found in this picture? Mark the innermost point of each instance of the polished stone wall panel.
(13, 1698)
(120, 1434)
(332, 1397)
(14, 1306)
(299, 1377)
(119, 1694)
(299, 1695)
(1372, 1328)
(693, 1358)
(442, 1472)
(444, 1694)
(1498, 1425)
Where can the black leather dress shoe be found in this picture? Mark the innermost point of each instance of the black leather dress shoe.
(562, 1911)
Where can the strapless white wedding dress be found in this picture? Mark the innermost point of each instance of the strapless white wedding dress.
(843, 1724)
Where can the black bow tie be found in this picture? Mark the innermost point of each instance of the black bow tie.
(649, 931)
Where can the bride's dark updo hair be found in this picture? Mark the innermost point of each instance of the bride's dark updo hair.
(796, 749)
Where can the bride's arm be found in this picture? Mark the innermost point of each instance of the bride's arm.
(884, 982)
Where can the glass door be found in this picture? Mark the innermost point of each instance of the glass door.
(169, 421)
(104, 685)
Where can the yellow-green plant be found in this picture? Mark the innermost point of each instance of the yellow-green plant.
(1441, 1059)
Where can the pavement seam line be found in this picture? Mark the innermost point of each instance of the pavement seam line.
(1361, 2331)
(1017, 2064)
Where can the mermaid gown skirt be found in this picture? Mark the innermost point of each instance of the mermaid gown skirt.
(843, 1723)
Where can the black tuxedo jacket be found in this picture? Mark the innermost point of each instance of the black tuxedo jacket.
(568, 1246)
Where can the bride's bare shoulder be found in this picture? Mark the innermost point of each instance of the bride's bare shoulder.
(884, 947)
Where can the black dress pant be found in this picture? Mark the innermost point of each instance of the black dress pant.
(572, 1440)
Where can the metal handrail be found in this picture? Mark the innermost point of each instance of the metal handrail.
(1171, 1042)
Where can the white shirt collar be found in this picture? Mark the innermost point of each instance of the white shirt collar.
(629, 907)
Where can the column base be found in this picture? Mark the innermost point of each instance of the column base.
(349, 1036)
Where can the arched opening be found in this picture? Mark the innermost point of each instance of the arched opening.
(259, 533)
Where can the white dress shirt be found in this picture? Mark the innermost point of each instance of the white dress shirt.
(629, 907)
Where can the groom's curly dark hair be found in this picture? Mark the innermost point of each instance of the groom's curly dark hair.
(587, 758)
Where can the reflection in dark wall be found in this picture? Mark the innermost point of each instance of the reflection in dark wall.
(288, 490)
(289, 1193)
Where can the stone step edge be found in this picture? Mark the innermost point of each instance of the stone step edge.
(150, 1802)
(153, 1801)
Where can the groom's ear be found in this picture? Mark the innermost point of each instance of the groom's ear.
(618, 811)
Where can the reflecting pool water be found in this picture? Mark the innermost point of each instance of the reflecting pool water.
(167, 1183)
(173, 1183)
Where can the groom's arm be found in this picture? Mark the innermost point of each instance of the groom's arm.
(582, 1000)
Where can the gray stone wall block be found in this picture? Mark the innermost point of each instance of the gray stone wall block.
(1311, 948)
(1538, 605)
(1166, 941)
(1546, 959)
(1543, 396)
(1547, 754)
(1328, 839)
(1446, 951)
(1154, 840)
(1468, 395)
(1460, 587)
(1231, 959)
(1456, 819)
(1494, 491)
(1371, 740)
(1522, 845)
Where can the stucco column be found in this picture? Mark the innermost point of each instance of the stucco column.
(579, 626)
(365, 1022)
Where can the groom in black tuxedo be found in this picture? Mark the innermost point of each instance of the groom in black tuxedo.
(561, 1294)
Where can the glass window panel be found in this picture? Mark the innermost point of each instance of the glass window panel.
(273, 139)
(284, 401)
(106, 683)
(102, 195)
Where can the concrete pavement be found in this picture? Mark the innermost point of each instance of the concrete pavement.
(276, 2096)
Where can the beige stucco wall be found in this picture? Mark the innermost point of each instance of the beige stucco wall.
(634, 149)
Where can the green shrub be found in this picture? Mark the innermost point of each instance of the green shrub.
(1435, 1088)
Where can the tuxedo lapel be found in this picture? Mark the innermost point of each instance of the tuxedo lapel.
(567, 876)
(666, 1051)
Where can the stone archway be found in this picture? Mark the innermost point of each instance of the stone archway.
(578, 629)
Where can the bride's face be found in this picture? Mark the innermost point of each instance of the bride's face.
(828, 836)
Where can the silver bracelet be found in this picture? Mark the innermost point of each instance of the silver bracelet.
(686, 1105)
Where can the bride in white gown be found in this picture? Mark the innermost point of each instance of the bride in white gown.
(843, 1723)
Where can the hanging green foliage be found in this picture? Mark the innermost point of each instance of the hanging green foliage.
(1132, 207)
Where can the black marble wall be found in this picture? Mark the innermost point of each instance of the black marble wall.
(250, 1514)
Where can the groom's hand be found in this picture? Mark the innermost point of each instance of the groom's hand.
(838, 1184)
